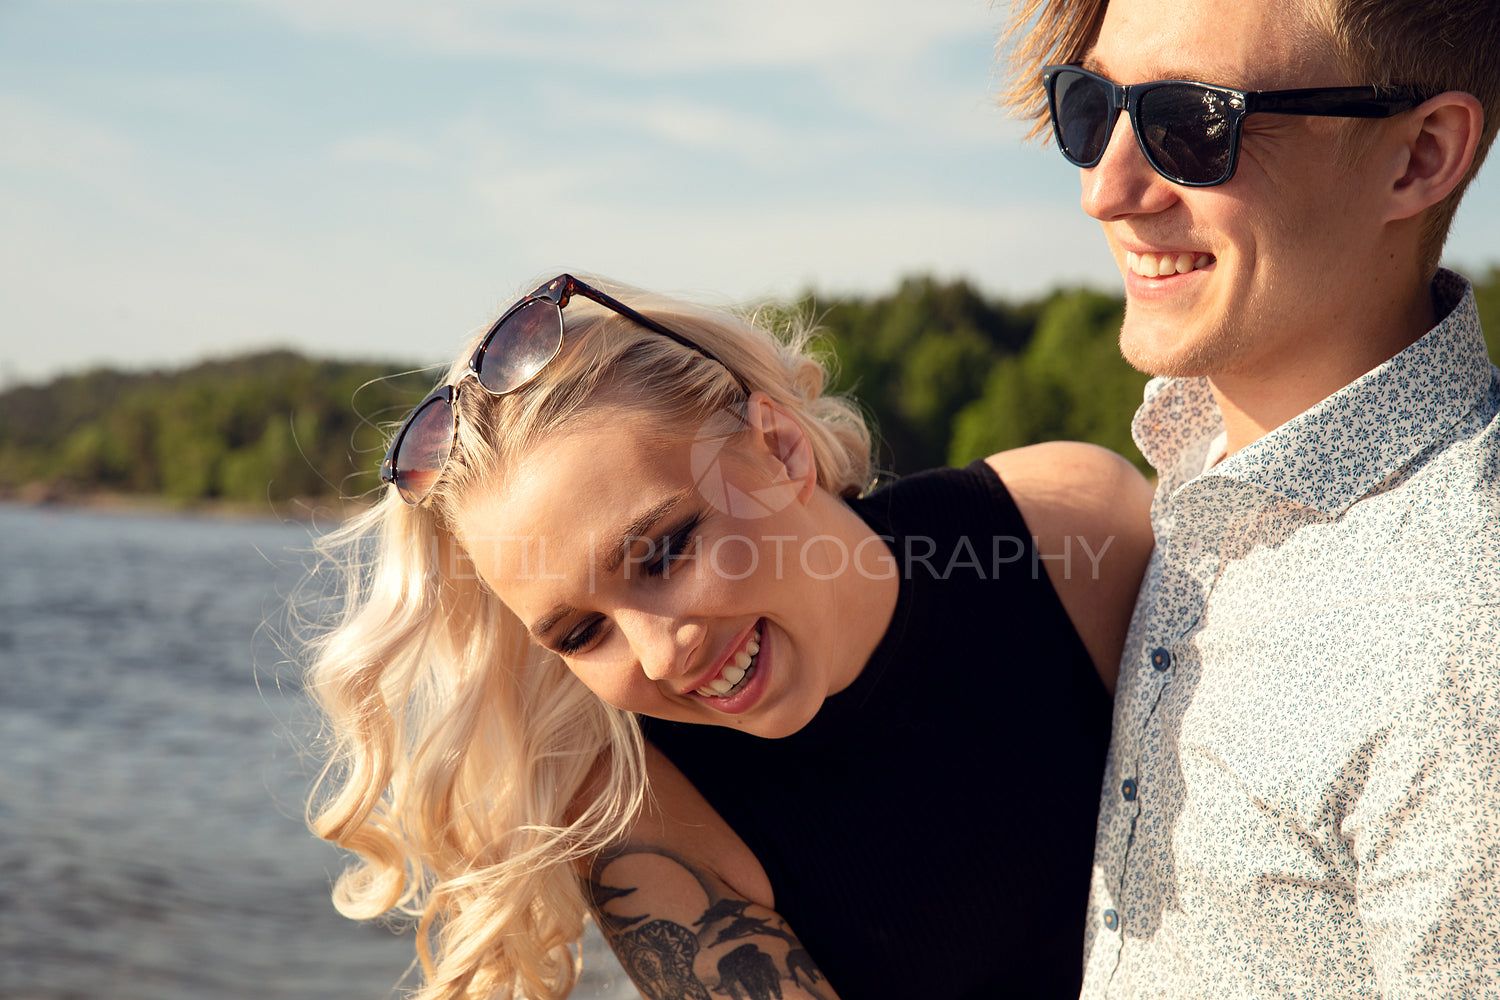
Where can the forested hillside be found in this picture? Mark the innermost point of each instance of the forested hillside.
(946, 373)
(270, 426)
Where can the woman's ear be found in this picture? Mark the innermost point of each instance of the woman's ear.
(1438, 142)
(774, 432)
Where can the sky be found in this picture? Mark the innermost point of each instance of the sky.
(182, 179)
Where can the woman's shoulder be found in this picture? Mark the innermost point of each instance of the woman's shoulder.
(1072, 485)
(1056, 488)
(932, 499)
(1089, 512)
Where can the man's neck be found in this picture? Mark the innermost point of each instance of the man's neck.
(1258, 400)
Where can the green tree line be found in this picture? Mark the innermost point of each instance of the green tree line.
(945, 373)
(263, 427)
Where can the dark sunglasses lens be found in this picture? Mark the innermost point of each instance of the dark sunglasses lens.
(1187, 132)
(521, 346)
(1083, 118)
(423, 452)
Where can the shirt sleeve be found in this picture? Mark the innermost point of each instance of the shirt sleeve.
(1426, 833)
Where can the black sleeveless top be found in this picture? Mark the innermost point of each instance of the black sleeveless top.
(930, 833)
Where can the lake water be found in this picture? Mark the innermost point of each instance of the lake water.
(151, 834)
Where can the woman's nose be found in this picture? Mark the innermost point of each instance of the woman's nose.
(665, 647)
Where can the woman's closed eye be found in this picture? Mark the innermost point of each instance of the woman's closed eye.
(673, 548)
(581, 636)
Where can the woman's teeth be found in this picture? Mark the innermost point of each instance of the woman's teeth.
(1160, 265)
(734, 676)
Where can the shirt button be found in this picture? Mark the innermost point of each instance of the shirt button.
(1160, 658)
(1111, 919)
(1127, 789)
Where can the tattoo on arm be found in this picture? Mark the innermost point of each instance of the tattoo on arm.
(707, 944)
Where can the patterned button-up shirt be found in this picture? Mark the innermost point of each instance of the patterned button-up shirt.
(1302, 797)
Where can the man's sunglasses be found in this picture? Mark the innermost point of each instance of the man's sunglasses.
(1190, 132)
(522, 342)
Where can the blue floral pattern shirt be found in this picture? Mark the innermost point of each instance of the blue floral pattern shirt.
(1302, 797)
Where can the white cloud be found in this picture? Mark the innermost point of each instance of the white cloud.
(383, 149)
(147, 301)
(412, 234)
(647, 36)
(78, 176)
(762, 140)
(862, 248)
(38, 137)
(212, 285)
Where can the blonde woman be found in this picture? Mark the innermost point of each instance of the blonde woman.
(625, 637)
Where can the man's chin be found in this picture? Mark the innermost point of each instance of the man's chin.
(1155, 351)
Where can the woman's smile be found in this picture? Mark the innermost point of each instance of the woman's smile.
(741, 677)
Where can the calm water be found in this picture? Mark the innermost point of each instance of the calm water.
(151, 841)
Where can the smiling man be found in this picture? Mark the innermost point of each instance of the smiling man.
(1303, 790)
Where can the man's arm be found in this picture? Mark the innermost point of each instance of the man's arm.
(1427, 827)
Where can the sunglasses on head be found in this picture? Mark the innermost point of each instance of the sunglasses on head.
(1190, 132)
(523, 341)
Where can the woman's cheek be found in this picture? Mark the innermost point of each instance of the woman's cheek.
(604, 686)
(731, 557)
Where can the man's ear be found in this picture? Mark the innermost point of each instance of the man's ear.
(1438, 140)
(774, 432)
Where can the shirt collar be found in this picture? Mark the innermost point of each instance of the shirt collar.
(1337, 451)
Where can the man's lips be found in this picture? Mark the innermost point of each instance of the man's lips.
(1163, 264)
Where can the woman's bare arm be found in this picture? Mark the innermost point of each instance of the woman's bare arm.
(681, 933)
(666, 903)
(1090, 512)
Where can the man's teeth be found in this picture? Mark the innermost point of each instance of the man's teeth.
(1159, 265)
(733, 675)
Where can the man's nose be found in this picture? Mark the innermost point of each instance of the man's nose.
(1123, 183)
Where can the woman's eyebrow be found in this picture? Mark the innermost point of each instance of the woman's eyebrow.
(637, 529)
(549, 621)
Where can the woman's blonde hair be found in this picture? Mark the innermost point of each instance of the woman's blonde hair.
(468, 771)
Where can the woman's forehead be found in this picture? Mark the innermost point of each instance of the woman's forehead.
(589, 482)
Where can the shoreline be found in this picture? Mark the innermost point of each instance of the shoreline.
(299, 510)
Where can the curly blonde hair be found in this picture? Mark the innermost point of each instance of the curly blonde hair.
(468, 771)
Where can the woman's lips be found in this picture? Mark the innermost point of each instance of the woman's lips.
(755, 678)
(737, 672)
